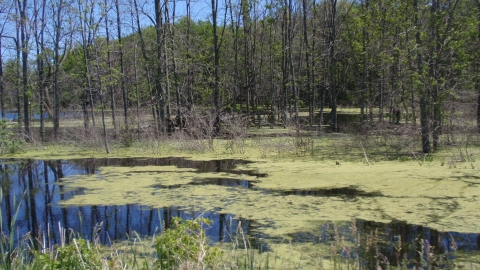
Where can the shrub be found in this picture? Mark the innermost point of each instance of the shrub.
(79, 254)
(185, 245)
(9, 142)
(127, 139)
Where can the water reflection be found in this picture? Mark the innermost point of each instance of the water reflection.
(346, 192)
(223, 182)
(223, 165)
(226, 182)
(33, 188)
(394, 243)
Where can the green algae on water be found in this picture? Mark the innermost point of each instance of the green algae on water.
(297, 193)
(396, 191)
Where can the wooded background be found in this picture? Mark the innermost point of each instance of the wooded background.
(396, 60)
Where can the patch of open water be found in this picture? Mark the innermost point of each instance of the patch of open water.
(345, 192)
(34, 186)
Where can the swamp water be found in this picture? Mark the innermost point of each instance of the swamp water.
(112, 197)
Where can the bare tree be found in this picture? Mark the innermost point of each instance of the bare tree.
(39, 40)
(122, 70)
(308, 87)
(292, 81)
(59, 55)
(89, 24)
(160, 93)
(24, 41)
(18, 81)
(102, 104)
(111, 89)
(424, 108)
(166, 65)
(152, 90)
(172, 30)
(137, 96)
(235, 25)
(331, 10)
(216, 50)
(2, 98)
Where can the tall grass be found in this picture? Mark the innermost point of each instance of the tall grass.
(13, 254)
(185, 246)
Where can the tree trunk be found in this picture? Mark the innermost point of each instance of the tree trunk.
(110, 87)
(216, 48)
(175, 70)
(89, 90)
(152, 90)
(253, 66)
(39, 40)
(87, 39)
(332, 69)
(382, 98)
(364, 90)
(424, 110)
(122, 70)
(284, 66)
(22, 6)
(189, 88)
(273, 92)
(18, 82)
(435, 49)
(56, 95)
(235, 26)
(166, 65)
(137, 97)
(102, 105)
(245, 5)
(160, 95)
(308, 87)
(314, 85)
(2, 104)
(293, 85)
(477, 67)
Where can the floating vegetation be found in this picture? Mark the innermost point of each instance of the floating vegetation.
(281, 205)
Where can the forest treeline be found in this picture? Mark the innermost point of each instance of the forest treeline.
(249, 57)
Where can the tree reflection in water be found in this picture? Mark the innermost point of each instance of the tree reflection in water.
(34, 186)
